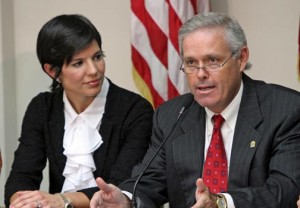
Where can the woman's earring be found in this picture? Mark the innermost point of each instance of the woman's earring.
(57, 80)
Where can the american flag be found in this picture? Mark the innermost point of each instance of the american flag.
(0, 162)
(299, 52)
(154, 46)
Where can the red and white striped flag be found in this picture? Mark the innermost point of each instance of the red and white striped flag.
(0, 162)
(154, 46)
(299, 52)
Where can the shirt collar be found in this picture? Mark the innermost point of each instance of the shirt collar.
(92, 112)
(231, 111)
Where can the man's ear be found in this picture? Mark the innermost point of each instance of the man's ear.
(50, 70)
(244, 57)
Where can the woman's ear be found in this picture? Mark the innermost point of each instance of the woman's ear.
(50, 70)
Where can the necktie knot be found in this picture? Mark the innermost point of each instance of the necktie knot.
(218, 121)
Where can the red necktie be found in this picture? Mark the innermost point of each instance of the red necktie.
(215, 167)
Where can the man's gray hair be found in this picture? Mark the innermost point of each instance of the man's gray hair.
(234, 34)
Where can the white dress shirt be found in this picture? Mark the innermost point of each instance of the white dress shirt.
(229, 114)
(81, 139)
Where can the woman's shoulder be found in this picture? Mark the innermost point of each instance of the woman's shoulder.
(44, 101)
(47, 97)
(122, 95)
(121, 101)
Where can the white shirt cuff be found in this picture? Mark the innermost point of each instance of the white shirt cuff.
(128, 194)
(229, 200)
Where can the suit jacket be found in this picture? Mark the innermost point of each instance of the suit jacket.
(266, 174)
(125, 130)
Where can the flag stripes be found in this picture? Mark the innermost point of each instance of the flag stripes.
(154, 45)
(299, 52)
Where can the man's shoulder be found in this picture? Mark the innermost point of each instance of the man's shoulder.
(184, 100)
(272, 98)
(276, 91)
(268, 90)
(171, 109)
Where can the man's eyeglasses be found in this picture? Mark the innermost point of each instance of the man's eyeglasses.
(191, 69)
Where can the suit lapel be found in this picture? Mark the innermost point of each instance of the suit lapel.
(246, 138)
(100, 154)
(188, 150)
(106, 127)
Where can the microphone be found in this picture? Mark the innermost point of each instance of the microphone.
(133, 201)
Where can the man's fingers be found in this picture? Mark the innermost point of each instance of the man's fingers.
(200, 185)
(96, 200)
(106, 188)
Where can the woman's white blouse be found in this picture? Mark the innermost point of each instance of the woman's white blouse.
(81, 139)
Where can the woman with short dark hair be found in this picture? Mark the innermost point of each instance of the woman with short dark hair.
(85, 127)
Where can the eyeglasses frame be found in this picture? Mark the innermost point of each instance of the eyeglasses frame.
(204, 67)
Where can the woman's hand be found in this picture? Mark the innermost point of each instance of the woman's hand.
(35, 199)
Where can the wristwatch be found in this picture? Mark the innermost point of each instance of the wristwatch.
(221, 201)
(66, 201)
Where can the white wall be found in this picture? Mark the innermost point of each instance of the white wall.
(1, 111)
(7, 91)
(271, 27)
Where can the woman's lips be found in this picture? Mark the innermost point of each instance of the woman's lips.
(93, 83)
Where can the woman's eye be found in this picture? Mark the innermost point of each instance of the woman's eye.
(98, 57)
(77, 64)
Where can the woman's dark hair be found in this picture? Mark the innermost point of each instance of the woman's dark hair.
(61, 38)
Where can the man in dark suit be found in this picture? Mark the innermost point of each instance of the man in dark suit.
(261, 131)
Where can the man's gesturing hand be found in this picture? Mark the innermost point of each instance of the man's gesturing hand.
(204, 199)
(108, 196)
